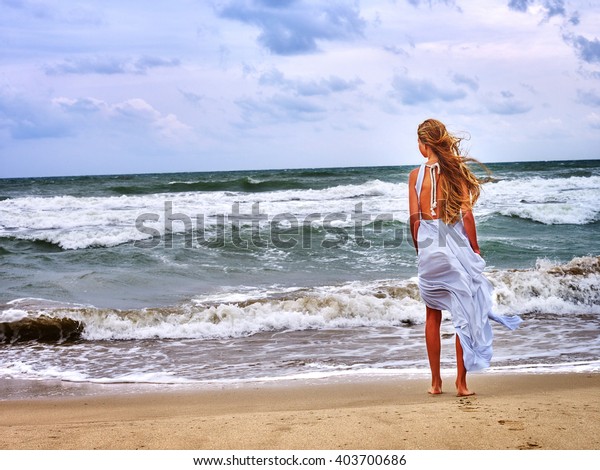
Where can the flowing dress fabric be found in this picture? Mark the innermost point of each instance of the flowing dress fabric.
(451, 278)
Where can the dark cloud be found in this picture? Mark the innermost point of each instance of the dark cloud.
(272, 77)
(506, 103)
(144, 63)
(80, 106)
(519, 5)
(589, 74)
(278, 109)
(590, 97)
(587, 50)
(430, 3)
(554, 8)
(412, 91)
(46, 11)
(594, 121)
(551, 7)
(396, 50)
(193, 98)
(529, 88)
(294, 27)
(324, 86)
(37, 10)
(109, 65)
(574, 19)
(25, 118)
(469, 82)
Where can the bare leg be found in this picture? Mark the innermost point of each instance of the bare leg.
(433, 320)
(461, 372)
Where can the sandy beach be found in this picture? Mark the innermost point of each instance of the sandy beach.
(509, 412)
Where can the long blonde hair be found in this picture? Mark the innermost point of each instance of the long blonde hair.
(460, 187)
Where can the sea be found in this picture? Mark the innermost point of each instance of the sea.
(218, 279)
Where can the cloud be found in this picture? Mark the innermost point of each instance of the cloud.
(587, 50)
(574, 19)
(278, 109)
(35, 9)
(506, 104)
(590, 97)
(322, 87)
(125, 115)
(83, 106)
(412, 91)
(109, 65)
(551, 7)
(555, 8)
(72, 14)
(193, 98)
(470, 83)
(294, 27)
(130, 113)
(593, 120)
(519, 5)
(530, 88)
(417, 3)
(396, 50)
(26, 118)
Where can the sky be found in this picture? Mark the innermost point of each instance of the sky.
(113, 86)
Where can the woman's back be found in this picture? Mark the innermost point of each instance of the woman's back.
(425, 198)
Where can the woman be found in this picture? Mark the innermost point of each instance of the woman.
(442, 193)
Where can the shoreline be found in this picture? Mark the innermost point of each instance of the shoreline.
(525, 411)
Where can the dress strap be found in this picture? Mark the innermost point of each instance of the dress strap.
(419, 185)
(433, 201)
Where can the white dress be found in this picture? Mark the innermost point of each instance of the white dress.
(451, 278)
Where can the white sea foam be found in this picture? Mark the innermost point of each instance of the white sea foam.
(566, 289)
(550, 288)
(546, 200)
(340, 307)
(13, 314)
(81, 222)
(23, 369)
(76, 223)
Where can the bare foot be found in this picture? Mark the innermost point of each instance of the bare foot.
(436, 389)
(462, 390)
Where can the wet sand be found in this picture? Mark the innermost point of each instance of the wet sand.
(552, 411)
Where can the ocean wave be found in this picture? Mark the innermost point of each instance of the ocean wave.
(244, 184)
(41, 328)
(351, 305)
(548, 289)
(553, 288)
(252, 182)
(73, 223)
(554, 214)
(550, 201)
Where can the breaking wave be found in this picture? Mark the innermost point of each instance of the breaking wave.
(557, 289)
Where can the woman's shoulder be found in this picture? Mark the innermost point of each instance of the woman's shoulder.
(414, 173)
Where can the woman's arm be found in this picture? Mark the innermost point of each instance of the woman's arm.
(469, 224)
(413, 207)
